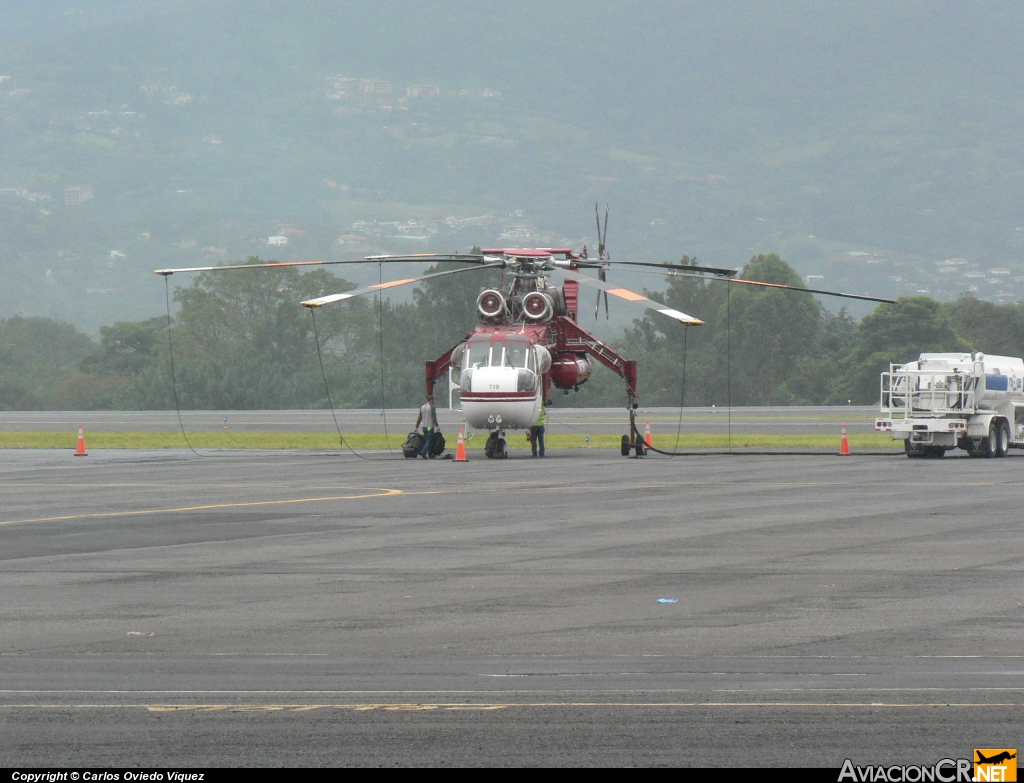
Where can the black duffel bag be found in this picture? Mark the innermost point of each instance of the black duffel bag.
(411, 447)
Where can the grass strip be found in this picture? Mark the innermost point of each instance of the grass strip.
(43, 439)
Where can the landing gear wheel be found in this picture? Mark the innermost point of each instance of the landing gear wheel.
(640, 450)
(626, 446)
(494, 448)
(1003, 440)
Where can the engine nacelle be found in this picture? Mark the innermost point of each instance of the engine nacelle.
(538, 306)
(490, 303)
(569, 370)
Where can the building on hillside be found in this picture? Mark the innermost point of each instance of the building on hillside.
(340, 87)
(76, 195)
(375, 86)
(422, 91)
(518, 232)
(277, 239)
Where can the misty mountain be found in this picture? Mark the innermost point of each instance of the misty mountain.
(874, 145)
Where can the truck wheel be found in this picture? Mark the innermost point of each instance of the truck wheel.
(990, 444)
(935, 452)
(1003, 440)
(912, 449)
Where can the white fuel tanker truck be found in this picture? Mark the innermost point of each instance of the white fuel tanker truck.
(955, 400)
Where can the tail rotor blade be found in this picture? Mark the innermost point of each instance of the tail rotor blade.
(604, 238)
(602, 275)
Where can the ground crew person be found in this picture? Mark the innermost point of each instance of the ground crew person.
(428, 416)
(537, 432)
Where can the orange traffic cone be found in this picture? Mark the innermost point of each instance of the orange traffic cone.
(648, 440)
(460, 450)
(844, 444)
(80, 451)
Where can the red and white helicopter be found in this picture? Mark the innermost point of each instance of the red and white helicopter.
(529, 338)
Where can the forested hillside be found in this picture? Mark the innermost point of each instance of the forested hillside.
(241, 341)
(874, 145)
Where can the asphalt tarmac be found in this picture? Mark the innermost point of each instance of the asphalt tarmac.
(264, 608)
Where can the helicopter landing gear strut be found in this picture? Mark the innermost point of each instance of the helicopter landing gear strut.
(495, 447)
(634, 442)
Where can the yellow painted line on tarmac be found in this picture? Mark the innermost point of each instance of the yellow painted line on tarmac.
(379, 494)
(497, 706)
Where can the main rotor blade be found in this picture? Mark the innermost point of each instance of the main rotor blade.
(600, 241)
(420, 258)
(788, 288)
(631, 296)
(320, 301)
(696, 270)
(462, 258)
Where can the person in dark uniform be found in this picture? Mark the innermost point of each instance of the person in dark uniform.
(428, 417)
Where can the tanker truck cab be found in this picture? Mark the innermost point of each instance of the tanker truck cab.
(944, 401)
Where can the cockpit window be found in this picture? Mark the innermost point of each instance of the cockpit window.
(500, 351)
(516, 353)
(479, 353)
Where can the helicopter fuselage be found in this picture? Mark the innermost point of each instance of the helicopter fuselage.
(503, 373)
(528, 342)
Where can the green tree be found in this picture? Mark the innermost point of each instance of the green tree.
(772, 331)
(37, 357)
(770, 336)
(987, 327)
(815, 378)
(658, 343)
(244, 341)
(127, 347)
(893, 333)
